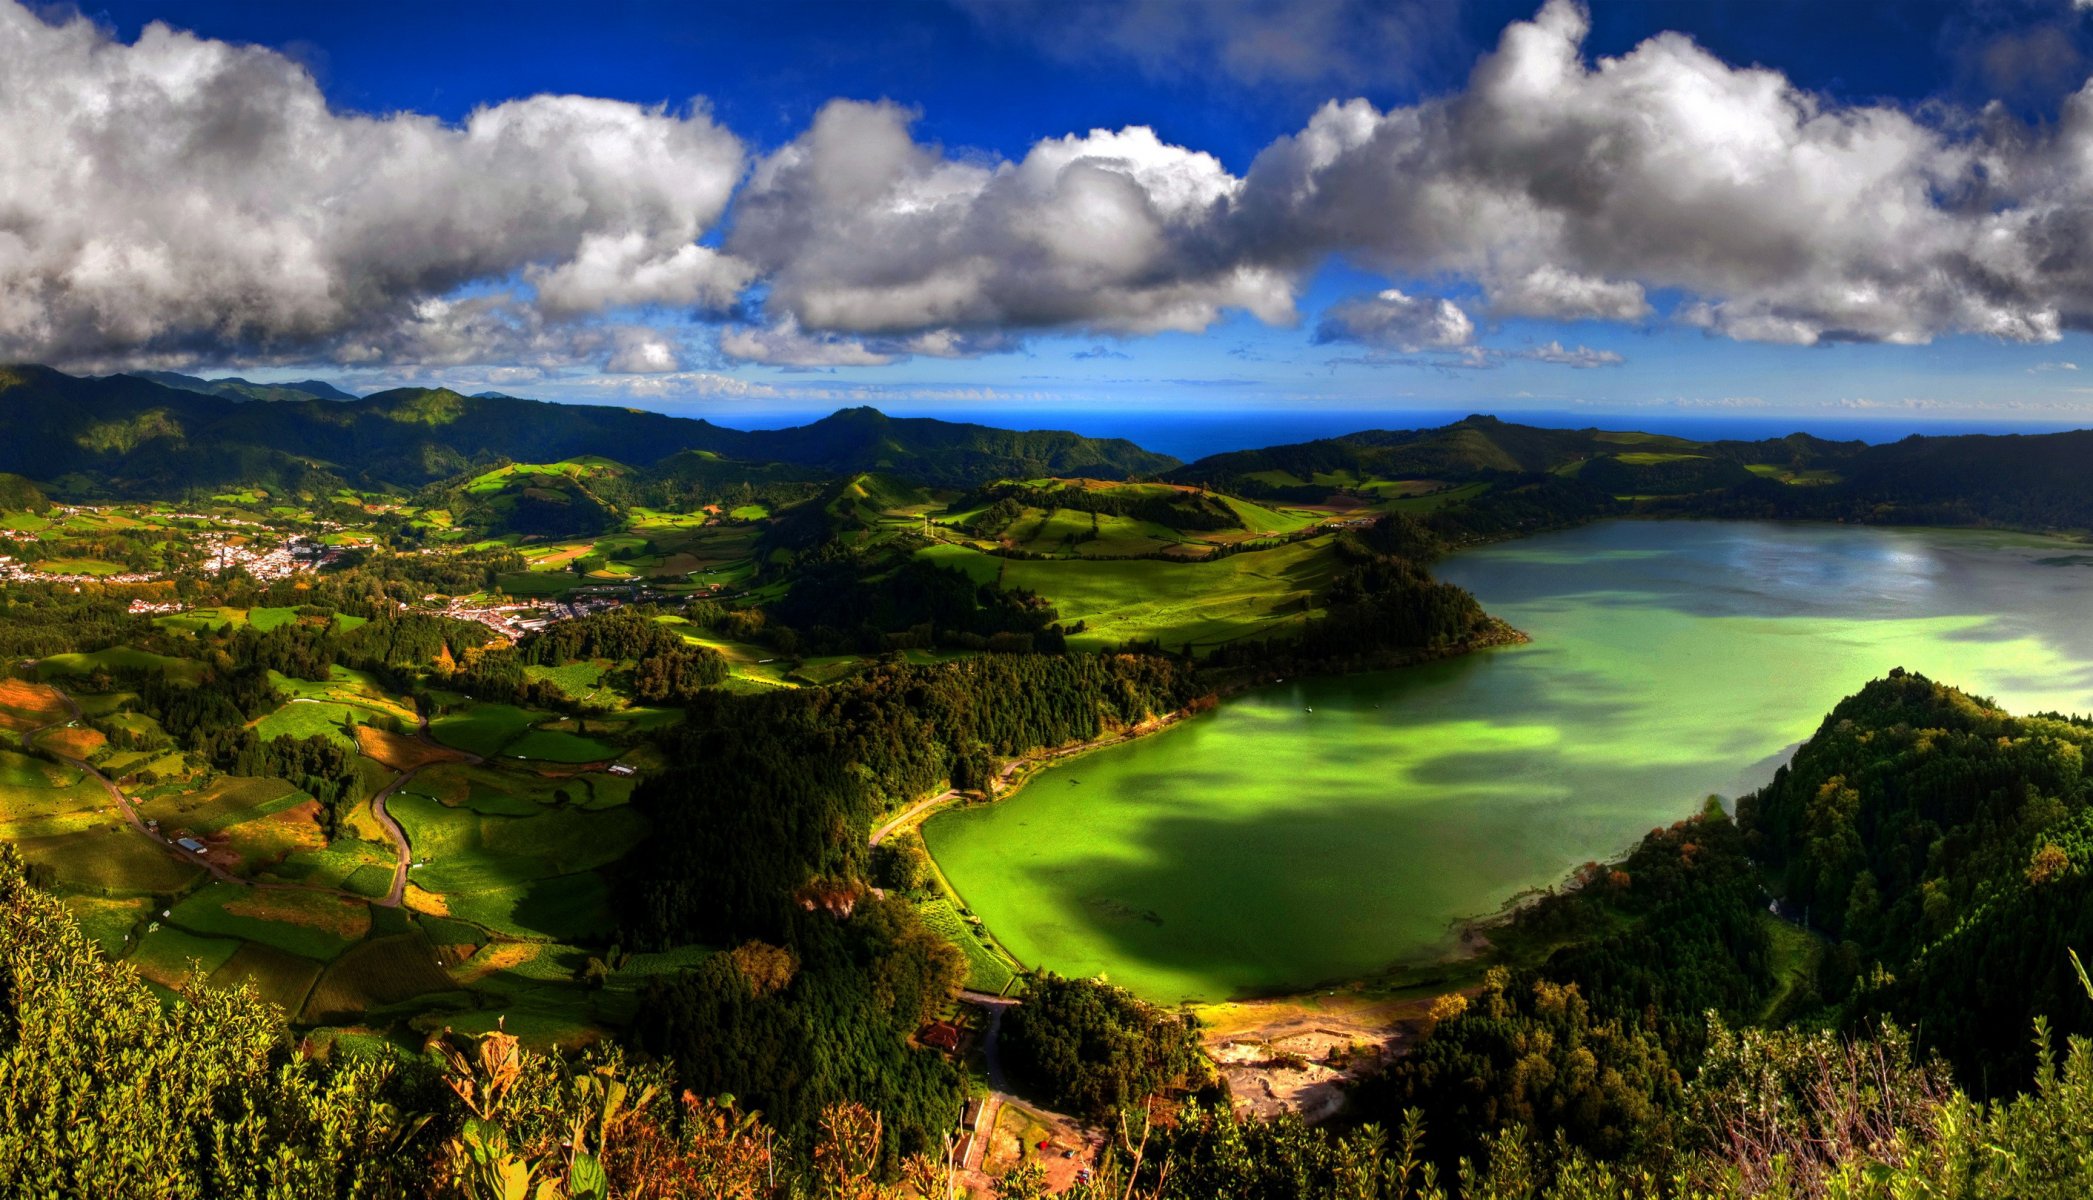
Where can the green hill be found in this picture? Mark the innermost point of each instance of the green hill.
(129, 434)
(236, 388)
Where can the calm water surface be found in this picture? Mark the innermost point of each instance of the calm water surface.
(1267, 847)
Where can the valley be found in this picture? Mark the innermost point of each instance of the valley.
(846, 744)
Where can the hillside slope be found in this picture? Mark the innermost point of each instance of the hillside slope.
(130, 434)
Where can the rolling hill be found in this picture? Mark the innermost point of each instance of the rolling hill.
(131, 435)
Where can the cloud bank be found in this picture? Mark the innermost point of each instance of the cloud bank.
(179, 197)
(182, 194)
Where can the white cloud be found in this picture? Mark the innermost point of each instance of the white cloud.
(783, 345)
(179, 195)
(2042, 367)
(642, 352)
(179, 198)
(861, 229)
(1569, 188)
(1394, 320)
(1581, 357)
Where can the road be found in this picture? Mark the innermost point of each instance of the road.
(883, 832)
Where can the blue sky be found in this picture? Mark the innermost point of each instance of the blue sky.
(1383, 300)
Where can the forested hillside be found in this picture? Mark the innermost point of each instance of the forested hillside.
(130, 435)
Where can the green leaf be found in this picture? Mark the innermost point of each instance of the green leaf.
(588, 1180)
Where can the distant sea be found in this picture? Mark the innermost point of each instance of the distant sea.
(1195, 434)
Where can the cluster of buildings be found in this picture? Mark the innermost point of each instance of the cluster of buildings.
(513, 619)
(223, 551)
(10, 570)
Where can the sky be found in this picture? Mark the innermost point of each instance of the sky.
(1826, 211)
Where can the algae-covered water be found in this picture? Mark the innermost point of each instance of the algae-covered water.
(1266, 847)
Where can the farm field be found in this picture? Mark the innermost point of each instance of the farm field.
(1202, 604)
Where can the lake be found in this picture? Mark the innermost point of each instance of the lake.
(1324, 829)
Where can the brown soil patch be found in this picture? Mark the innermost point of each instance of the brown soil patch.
(1296, 1054)
(25, 705)
(78, 742)
(493, 957)
(425, 902)
(400, 752)
(1062, 1149)
(345, 918)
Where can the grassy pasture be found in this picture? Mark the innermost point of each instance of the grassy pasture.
(482, 729)
(335, 865)
(1435, 500)
(986, 970)
(227, 801)
(181, 670)
(1174, 602)
(110, 859)
(551, 745)
(528, 876)
(300, 718)
(579, 680)
(164, 955)
(79, 566)
(380, 972)
(284, 980)
(316, 925)
(25, 706)
(108, 919)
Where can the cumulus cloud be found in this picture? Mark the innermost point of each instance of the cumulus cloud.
(180, 194)
(1303, 42)
(784, 345)
(861, 229)
(1568, 188)
(179, 197)
(642, 352)
(1394, 320)
(1581, 357)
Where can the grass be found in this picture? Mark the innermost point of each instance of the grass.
(311, 718)
(377, 973)
(315, 925)
(578, 680)
(538, 583)
(25, 705)
(336, 865)
(1793, 961)
(482, 729)
(164, 955)
(1205, 603)
(79, 566)
(117, 658)
(550, 745)
(529, 876)
(986, 970)
(284, 980)
(108, 920)
(112, 860)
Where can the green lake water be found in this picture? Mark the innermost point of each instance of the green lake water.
(1265, 847)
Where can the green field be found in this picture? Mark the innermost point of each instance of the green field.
(118, 658)
(550, 745)
(312, 718)
(986, 970)
(315, 925)
(526, 876)
(1203, 603)
(482, 729)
